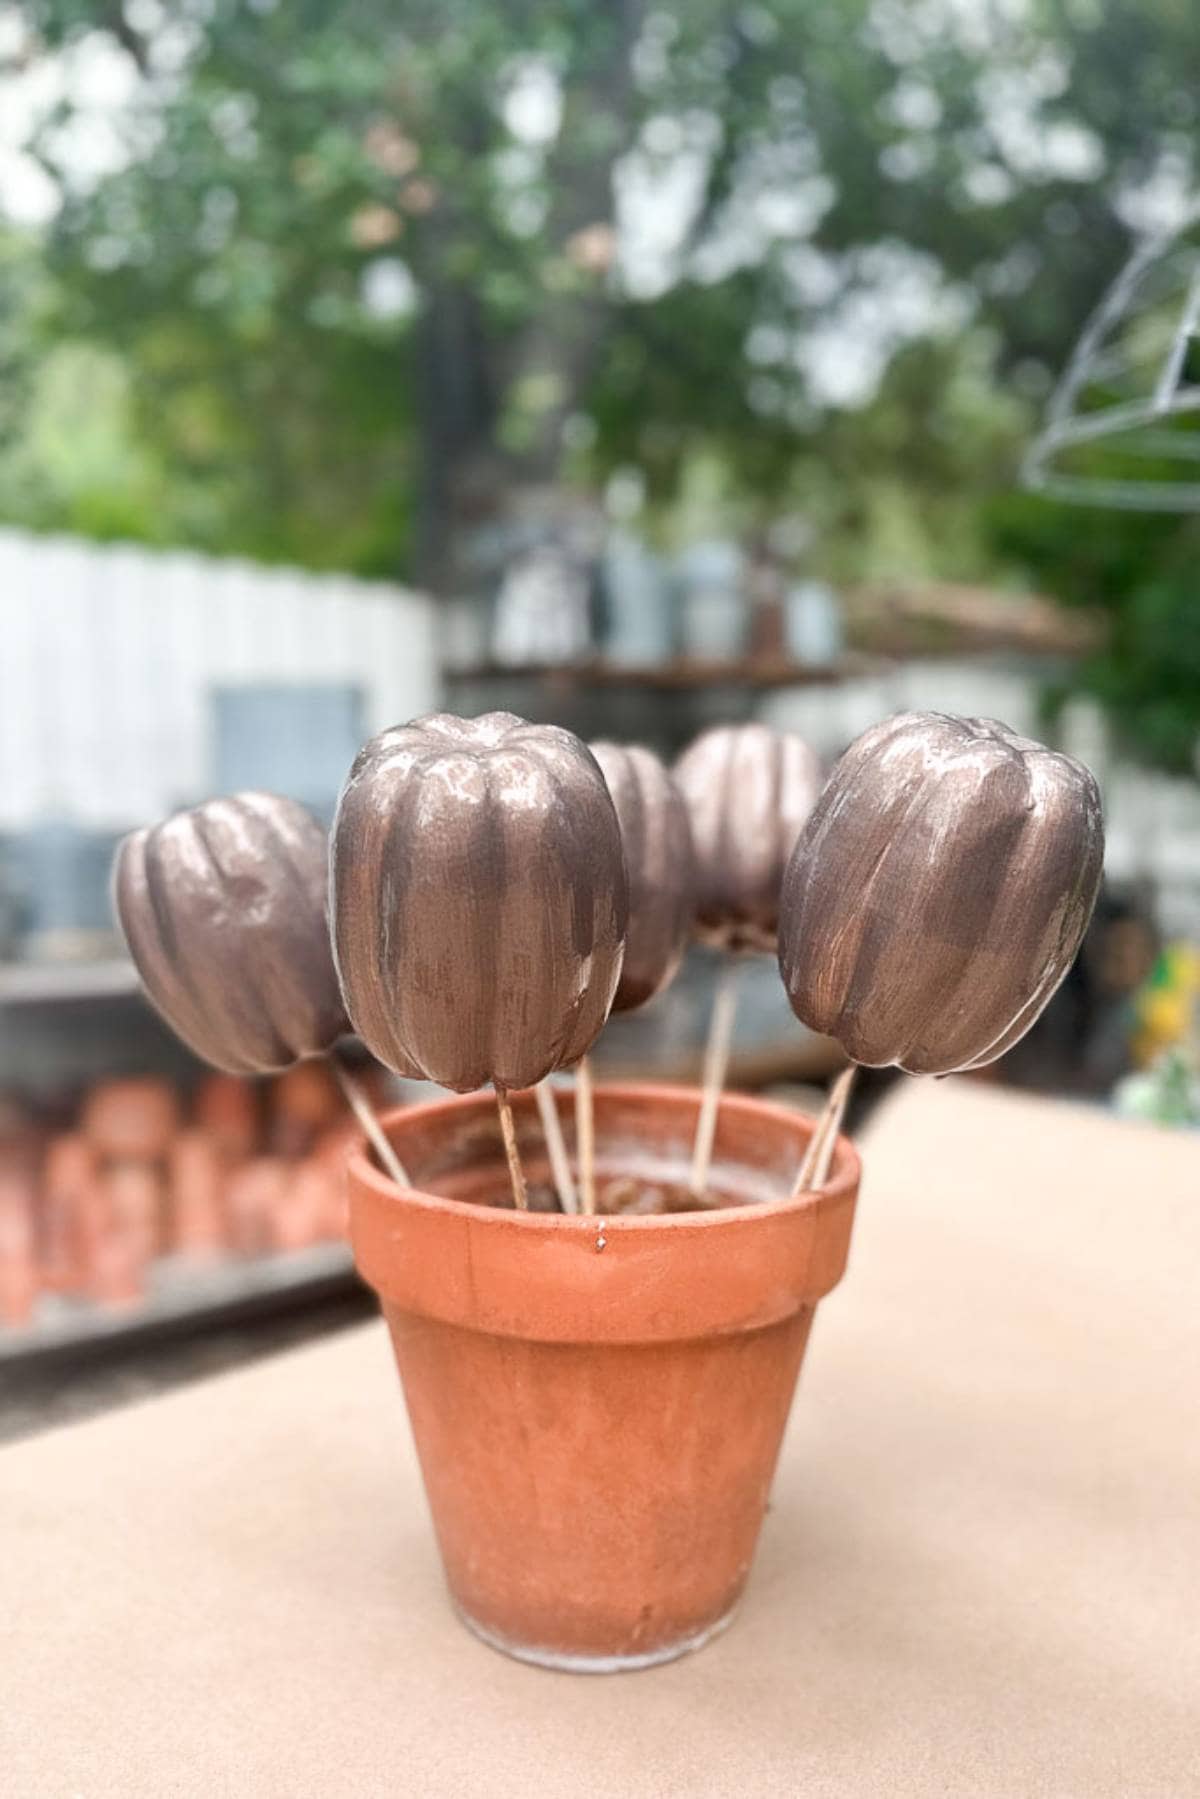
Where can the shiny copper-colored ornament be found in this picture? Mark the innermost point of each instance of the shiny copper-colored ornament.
(224, 911)
(749, 791)
(660, 863)
(478, 899)
(940, 892)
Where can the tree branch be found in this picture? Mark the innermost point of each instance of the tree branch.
(564, 341)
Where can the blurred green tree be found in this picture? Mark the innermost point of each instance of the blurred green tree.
(376, 270)
(489, 217)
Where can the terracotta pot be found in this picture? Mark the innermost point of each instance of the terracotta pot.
(226, 1106)
(131, 1120)
(306, 1095)
(598, 1403)
(69, 1174)
(300, 1221)
(332, 1149)
(118, 1230)
(256, 1196)
(196, 1210)
(135, 1197)
(18, 1250)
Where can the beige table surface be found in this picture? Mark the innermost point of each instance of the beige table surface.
(980, 1575)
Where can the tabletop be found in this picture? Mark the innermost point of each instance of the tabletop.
(979, 1574)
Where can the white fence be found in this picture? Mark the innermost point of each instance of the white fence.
(110, 658)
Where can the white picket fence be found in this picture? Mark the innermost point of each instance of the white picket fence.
(110, 658)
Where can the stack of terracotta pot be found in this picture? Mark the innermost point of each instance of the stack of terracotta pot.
(238, 1169)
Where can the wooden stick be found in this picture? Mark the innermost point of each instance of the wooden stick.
(516, 1173)
(838, 1100)
(808, 1160)
(560, 1166)
(364, 1112)
(585, 1134)
(716, 1062)
(818, 1157)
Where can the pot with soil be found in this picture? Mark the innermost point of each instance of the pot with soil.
(599, 1331)
(598, 1401)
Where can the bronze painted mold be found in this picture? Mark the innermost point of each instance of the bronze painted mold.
(939, 892)
(749, 790)
(660, 864)
(224, 911)
(478, 899)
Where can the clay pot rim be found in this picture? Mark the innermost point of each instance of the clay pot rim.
(841, 1185)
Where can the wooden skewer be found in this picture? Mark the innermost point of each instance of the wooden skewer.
(560, 1165)
(516, 1173)
(363, 1110)
(716, 1062)
(808, 1160)
(585, 1134)
(838, 1100)
(818, 1157)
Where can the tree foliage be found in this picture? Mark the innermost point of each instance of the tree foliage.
(370, 269)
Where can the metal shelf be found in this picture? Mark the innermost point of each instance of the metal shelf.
(49, 983)
(182, 1294)
(686, 675)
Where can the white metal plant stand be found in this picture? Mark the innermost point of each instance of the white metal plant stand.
(1123, 426)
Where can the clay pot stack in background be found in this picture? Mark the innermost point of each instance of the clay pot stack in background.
(236, 1168)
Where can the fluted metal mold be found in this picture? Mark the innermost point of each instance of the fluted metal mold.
(939, 892)
(478, 899)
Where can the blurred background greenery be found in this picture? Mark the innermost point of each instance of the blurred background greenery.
(335, 284)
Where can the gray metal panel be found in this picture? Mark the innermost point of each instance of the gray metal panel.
(298, 739)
